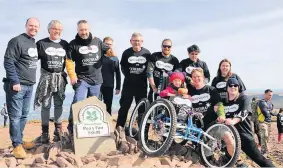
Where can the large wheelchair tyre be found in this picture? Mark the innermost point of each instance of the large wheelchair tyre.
(136, 119)
(225, 160)
(160, 107)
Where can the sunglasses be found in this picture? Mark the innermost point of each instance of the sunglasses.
(166, 46)
(232, 85)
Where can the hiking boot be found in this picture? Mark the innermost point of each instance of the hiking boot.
(29, 145)
(45, 138)
(19, 152)
(58, 133)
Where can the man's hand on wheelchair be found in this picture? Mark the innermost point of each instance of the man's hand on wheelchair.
(154, 88)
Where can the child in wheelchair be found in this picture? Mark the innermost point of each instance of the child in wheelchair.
(176, 86)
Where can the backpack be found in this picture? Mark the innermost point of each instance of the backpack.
(260, 116)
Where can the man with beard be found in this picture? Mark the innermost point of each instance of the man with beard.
(158, 63)
(20, 63)
(86, 51)
(187, 65)
(52, 82)
(133, 66)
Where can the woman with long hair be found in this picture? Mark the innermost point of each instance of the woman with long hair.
(223, 74)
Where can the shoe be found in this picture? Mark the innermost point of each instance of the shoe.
(45, 138)
(58, 133)
(29, 145)
(19, 152)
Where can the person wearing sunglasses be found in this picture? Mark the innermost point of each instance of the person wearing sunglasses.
(158, 63)
(237, 109)
(188, 64)
(223, 74)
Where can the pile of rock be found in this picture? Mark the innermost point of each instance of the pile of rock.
(57, 154)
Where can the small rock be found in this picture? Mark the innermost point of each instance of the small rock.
(99, 156)
(11, 162)
(88, 159)
(126, 165)
(21, 166)
(63, 162)
(131, 141)
(90, 165)
(165, 161)
(125, 160)
(51, 166)
(39, 158)
(28, 161)
(113, 161)
(113, 153)
(3, 163)
(101, 164)
(41, 149)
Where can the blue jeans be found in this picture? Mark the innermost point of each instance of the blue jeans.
(18, 106)
(82, 89)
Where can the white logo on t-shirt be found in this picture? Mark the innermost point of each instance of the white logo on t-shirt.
(55, 51)
(163, 65)
(88, 49)
(189, 69)
(203, 97)
(32, 52)
(136, 59)
(231, 109)
(221, 85)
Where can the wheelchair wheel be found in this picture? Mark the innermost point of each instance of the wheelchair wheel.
(158, 128)
(136, 117)
(225, 149)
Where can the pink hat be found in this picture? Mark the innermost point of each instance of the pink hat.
(177, 75)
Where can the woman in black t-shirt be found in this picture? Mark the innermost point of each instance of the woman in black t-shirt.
(223, 74)
(205, 99)
(236, 110)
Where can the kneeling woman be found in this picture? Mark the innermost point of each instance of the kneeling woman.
(236, 110)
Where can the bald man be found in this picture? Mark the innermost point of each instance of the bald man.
(20, 63)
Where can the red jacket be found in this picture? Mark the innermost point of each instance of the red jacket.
(169, 89)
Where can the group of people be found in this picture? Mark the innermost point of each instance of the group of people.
(92, 68)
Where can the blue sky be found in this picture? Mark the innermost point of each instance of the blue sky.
(249, 33)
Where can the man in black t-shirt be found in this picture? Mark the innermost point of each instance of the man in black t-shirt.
(20, 63)
(86, 76)
(158, 63)
(52, 83)
(133, 66)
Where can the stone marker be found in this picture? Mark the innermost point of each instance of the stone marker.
(93, 129)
